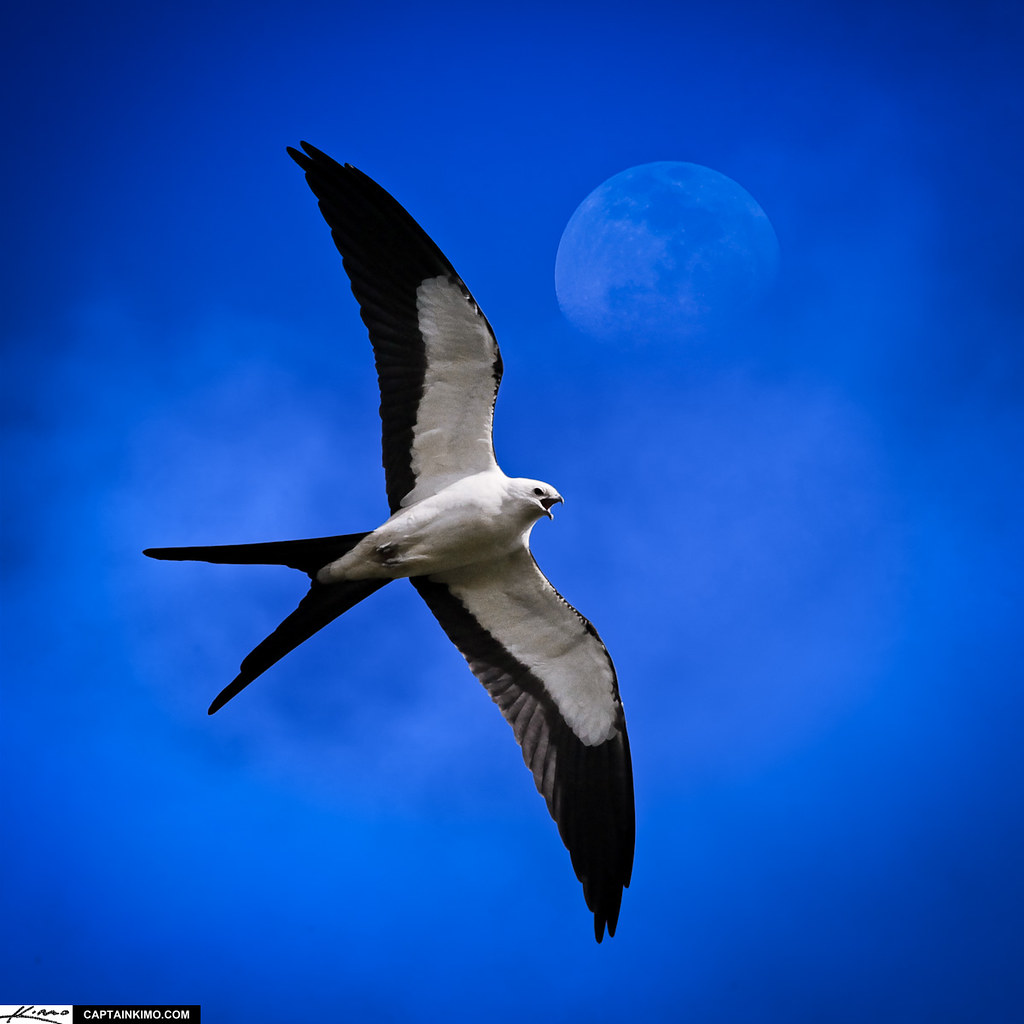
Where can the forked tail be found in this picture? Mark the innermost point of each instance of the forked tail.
(321, 605)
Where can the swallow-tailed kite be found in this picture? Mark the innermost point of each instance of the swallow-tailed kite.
(459, 531)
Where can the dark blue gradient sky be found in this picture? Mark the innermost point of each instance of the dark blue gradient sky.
(801, 538)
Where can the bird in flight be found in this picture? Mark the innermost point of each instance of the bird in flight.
(459, 531)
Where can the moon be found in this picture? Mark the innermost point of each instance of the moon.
(666, 250)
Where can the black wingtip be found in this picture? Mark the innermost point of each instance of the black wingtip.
(312, 157)
(300, 158)
(605, 901)
(600, 923)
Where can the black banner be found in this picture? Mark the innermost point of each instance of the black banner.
(62, 1013)
(127, 1014)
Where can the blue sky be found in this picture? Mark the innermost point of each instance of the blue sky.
(799, 538)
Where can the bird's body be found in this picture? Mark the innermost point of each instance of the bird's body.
(476, 519)
(459, 530)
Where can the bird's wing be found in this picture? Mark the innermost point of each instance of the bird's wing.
(548, 671)
(438, 363)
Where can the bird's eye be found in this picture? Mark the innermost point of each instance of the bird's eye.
(538, 491)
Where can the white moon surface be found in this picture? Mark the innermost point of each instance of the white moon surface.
(664, 250)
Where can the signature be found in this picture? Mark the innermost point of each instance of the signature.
(34, 1013)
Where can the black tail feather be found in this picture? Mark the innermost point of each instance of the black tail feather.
(323, 604)
(308, 555)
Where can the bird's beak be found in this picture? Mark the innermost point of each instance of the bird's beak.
(547, 504)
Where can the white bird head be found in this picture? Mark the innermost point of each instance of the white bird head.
(538, 495)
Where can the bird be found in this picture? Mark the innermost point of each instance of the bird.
(459, 531)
